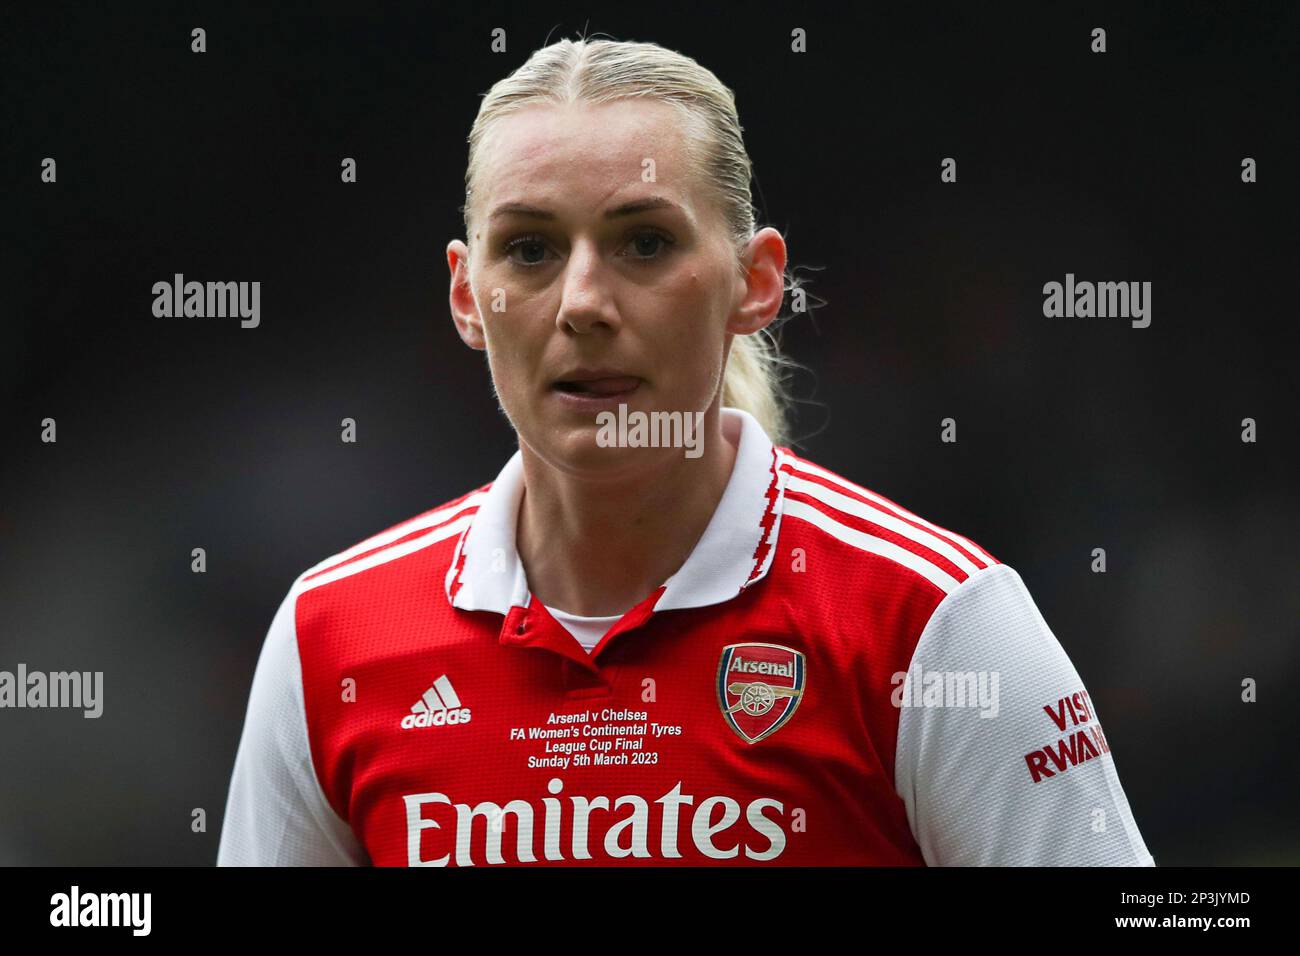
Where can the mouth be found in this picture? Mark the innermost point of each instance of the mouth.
(599, 387)
(596, 393)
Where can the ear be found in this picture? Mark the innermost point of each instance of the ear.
(464, 310)
(763, 283)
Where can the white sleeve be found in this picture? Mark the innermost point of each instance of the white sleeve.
(1024, 775)
(276, 812)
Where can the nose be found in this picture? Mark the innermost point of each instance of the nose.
(585, 300)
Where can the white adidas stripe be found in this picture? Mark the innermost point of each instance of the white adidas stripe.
(390, 554)
(415, 524)
(428, 702)
(809, 468)
(856, 508)
(866, 542)
(447, 692)
(440, 696)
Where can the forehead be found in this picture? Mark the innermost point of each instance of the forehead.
(586, 151)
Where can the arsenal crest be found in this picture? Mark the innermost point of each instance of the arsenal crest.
(759, 688)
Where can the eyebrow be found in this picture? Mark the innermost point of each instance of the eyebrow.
(626, 209)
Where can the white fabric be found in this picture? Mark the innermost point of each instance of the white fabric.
(970, 798)
(722, 562)
(276, 813)
(587, 630)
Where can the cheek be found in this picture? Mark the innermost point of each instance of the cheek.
(514, 340)
(504, 313)
(693, 347)
(693, 303)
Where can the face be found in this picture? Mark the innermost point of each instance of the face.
(590, 287)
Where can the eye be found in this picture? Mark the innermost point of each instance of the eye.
(650, 241)
(532, 243)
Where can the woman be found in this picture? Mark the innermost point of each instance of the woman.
(652, 646)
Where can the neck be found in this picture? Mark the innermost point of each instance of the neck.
(597, 545)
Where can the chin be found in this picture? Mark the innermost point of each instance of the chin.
(574, 450)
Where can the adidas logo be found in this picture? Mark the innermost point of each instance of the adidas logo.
(439, 706)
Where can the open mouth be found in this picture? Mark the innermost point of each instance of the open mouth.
(600, 386)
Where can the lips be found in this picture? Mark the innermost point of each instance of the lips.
(595, 381)
(610, 385)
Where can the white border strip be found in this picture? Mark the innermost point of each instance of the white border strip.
(865, 542)
(391, 554)
(885, 520)
(809, 468)
(400, 531)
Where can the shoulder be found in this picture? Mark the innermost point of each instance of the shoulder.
(397, 546)
(874, 534)
(373, 596)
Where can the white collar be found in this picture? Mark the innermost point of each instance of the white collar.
(735, 550)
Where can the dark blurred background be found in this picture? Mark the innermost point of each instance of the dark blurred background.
(1073, 434)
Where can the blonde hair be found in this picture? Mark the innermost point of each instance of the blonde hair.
(601, 71)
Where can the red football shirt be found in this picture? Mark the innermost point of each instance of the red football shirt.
(827, 680)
